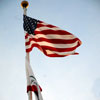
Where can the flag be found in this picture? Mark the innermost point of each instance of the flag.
(50, 39)
(32, 84)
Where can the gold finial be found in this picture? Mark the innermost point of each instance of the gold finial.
(24, 4)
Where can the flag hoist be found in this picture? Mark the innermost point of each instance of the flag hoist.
(32, 84)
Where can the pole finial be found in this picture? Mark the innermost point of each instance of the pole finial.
(24, 4)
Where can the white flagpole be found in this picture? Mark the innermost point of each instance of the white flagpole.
(29, 92)
(30, 81)
(24, 5)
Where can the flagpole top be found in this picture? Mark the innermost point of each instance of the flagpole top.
(24, 4)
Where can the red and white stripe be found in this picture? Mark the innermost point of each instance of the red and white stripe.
(52, 41)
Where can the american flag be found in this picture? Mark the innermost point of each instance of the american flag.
(50, 39)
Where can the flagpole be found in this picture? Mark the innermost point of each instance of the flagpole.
(24, 5)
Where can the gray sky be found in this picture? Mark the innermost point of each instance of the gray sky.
(69, 78)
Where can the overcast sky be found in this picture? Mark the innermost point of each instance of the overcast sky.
(75, 77)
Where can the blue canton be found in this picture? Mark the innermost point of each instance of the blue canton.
(29, 24)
